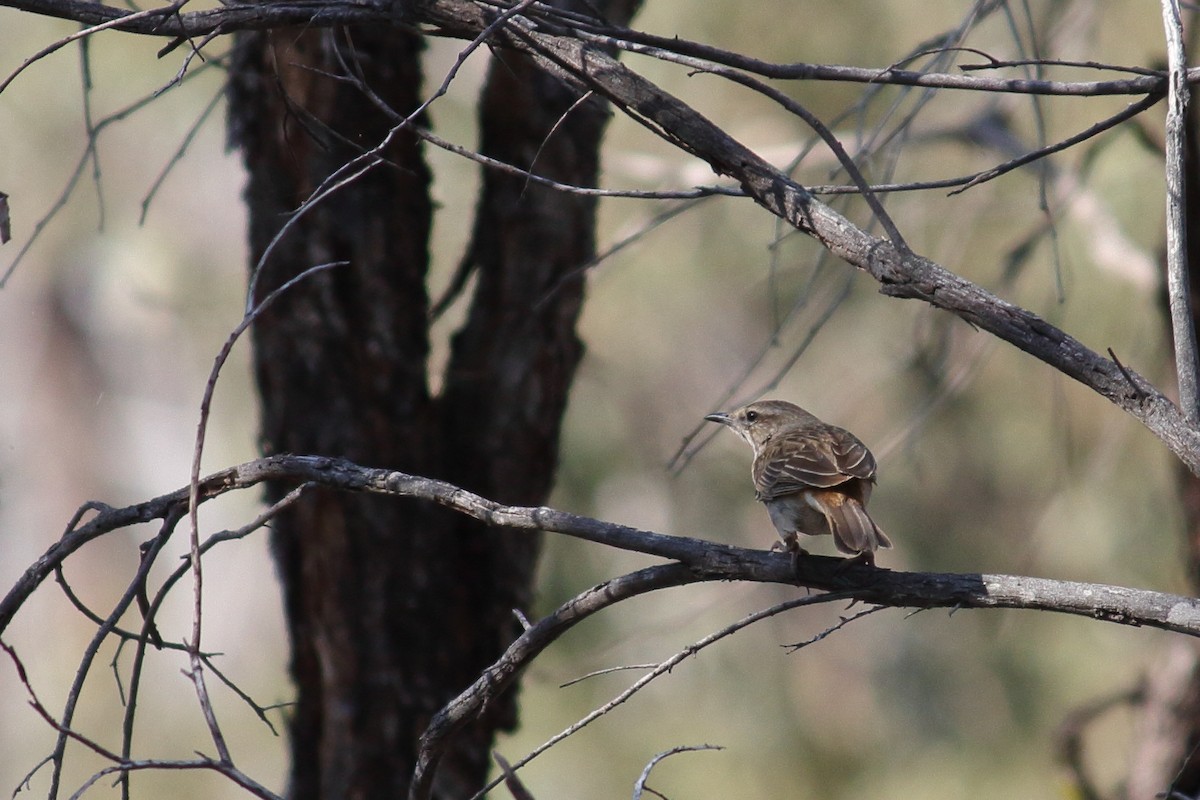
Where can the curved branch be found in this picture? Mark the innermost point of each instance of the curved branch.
(475, 698)
(899, 273)
(701, 560)
(493, 680)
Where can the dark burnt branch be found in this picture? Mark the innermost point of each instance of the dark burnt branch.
(172, 23)
(168, 23)
(702, 560)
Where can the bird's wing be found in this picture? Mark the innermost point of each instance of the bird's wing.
(820, 458)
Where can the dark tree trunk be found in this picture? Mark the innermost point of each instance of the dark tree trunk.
(393, 607)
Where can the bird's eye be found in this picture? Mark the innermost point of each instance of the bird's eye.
(751, 416)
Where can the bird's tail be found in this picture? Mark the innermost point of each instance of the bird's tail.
(853, 529)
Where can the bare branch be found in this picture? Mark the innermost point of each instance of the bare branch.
(693, 560)
(121, 765)
(113, 22)
(899, 273)
(464, 708)
(680, 50)
(1183, 330)
(832, 629)
(196, 672)
(468, 704)
(90, 148)
(640, 786)
(511, 781)
(167, 21)
(704, 560)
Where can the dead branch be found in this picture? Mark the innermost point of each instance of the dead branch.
(700, 560)
(640, 786)
(1183, 326)
(468, 705)
(168, 21)
(900, 273)
(567, 44)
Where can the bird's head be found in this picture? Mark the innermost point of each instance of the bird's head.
(758, 422)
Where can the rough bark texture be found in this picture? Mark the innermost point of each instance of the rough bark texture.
(394, 607)
(340, 366)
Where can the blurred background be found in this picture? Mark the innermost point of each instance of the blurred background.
(988, 460)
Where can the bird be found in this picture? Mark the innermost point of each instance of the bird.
(813, 477)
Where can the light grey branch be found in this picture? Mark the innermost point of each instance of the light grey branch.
(640, 786)
(1179, 291)
(690, 560)
(702, 560)
(900, 273)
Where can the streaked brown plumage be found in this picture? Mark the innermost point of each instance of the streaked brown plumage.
(814, 478)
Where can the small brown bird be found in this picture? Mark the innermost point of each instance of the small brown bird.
(814, 478)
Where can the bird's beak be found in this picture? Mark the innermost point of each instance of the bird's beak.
(720, 417)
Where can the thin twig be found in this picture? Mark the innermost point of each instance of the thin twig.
(358, 166)
(640, 786)
(177, 156)
(172, 9)
(422, 782)
(169, 22)
(1133, 385)
(605, 671)
(124, 766)
(196, 671)
(103, 630)
(1130, 111)
(841, 623)
(72, 182)
(511, 782)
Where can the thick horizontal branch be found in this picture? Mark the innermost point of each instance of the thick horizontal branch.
(227, 19)
(703, 560)
(232, 17)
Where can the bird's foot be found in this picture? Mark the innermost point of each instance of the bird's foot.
(791, 545)
(865, 558)
(788, 543)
